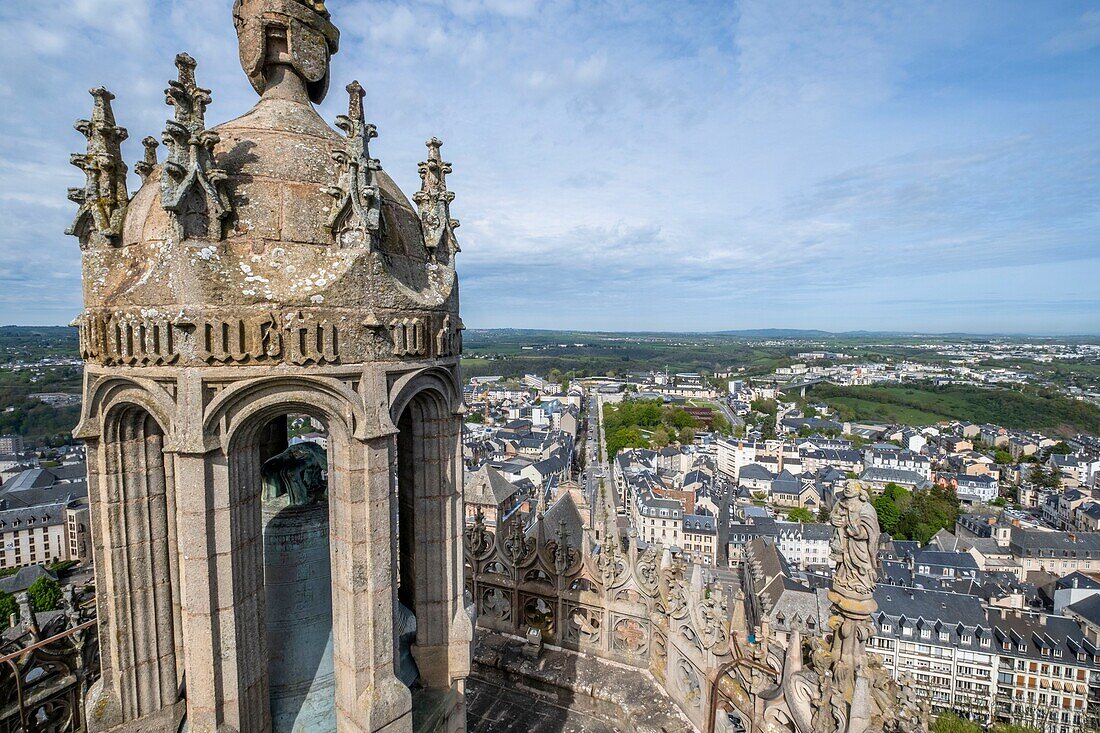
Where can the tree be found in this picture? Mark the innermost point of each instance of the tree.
(800, 514)
(1013, 728)
(8, 606)
(720, 424)
(1060, 448)
(1002, 456)
(951, 723)
(888, 513)
(660, 437)
(823, 514)
(475, 417)
(45, 594)
(687, 436)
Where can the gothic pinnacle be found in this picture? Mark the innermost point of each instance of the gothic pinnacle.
(356, 218)
(434, 200)
(145, 166)
(190, 169)
(104, 197)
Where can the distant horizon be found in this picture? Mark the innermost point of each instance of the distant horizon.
(777, 332)
(911, 167)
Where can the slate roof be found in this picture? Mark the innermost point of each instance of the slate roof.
(700, 524)
(895, 475)
(1039, 543)
(1088, 609)
(563, 510)
(488, 487)
(24, 578)
(46, 515)
(755, 471)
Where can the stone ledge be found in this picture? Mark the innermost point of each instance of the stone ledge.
(626, 699)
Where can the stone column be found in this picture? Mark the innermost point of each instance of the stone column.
(369, 697)
(131, 491)
(219, 536)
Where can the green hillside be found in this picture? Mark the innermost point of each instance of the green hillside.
(924, 404)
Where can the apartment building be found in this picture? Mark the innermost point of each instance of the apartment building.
(987, 664)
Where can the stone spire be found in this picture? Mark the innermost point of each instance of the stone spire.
(434, 200)
(104, 198)
(294, 34)
(356, 218)
(145, 166)
(192, 187)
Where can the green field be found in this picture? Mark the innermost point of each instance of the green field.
(926, 404)
(515, 352)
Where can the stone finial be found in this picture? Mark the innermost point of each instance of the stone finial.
(356, 219)
(145, 166)
(298, 34)
(434, 200)
(104, 198)
(192, 186)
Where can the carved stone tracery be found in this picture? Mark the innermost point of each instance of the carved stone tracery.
(434, 200)
(192, 186)
(356, 219)
(103, 199)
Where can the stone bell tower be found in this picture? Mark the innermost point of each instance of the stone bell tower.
(269, 267)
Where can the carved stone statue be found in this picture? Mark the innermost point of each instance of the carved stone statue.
(296, 33)
(298, 472)
(855, 544)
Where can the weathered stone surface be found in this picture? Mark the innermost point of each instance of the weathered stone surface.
(574, 691)
(224, 294)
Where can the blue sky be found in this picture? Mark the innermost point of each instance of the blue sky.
(628, 165)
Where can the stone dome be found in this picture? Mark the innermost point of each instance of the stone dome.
(272, 215)
(278, 159)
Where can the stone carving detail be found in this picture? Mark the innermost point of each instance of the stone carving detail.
(434, 200)
(517, 546)
(712, 612)
(448, 340)
(114, 339)
(237, 340)
(689, 684)
(630, 636)
(104, 198)
(301, 29)
(564, 555)
(584, 625)
(646, 567)
(496, 605)
(854, 545)
(478, 540)
(538, 614)
(151, 340)
(609, 561)
(148, 163)
(356, 219)
(192, 187)
(410, 337)
(691, 632)
(312, 341)
(297, 473)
